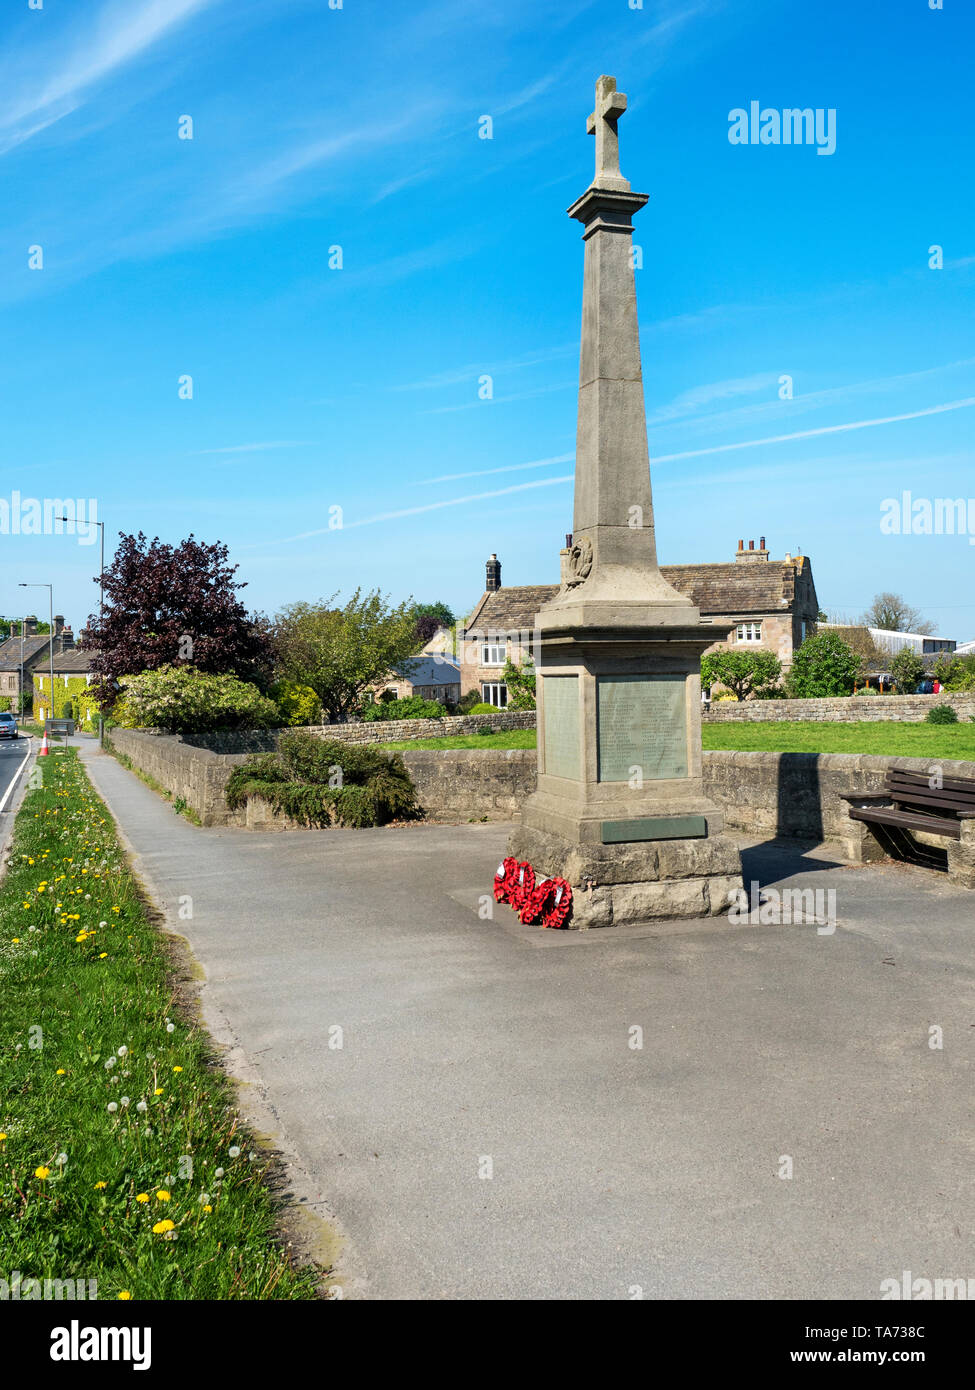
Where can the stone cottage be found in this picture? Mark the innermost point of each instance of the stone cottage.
(772, 604)
(26, 651)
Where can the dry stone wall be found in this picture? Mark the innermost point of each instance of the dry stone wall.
(843, 708)
(764, 794)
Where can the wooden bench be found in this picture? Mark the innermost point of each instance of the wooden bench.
(909, 804)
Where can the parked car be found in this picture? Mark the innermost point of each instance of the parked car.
(8, 725)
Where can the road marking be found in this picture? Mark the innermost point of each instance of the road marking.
(13, 781)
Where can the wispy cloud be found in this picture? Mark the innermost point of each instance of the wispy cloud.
(455, 376)
(811, 434)
(417, 511)
(255, 448)
(508, 468)
(699, 396)
(56, 75)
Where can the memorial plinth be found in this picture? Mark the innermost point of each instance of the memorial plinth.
(620, 810)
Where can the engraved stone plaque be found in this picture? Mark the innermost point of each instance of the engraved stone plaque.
(563, 749)
(641, 723)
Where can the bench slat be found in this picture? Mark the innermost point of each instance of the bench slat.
(884, 815)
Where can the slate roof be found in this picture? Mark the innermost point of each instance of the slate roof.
(10, 651)
(73, 662)
(427, 670)
(735, 589)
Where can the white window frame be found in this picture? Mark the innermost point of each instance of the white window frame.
(495, 645)
(494, 693)
(749, 632)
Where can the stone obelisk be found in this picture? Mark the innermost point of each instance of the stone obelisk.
(620, 809)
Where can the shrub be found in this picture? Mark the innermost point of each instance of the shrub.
(743, 673)
(298, 703)
(467, 702)
(824, 665)
(413, 707)
(187, 701)
(907, 668)
(324, 782)
(941, 714)
(483, 708)
(520, 681)
(6, 702)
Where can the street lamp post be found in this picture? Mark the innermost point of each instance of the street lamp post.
(101, 600)
(50, 630)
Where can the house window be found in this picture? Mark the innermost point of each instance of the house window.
(749, 632)
(493, 653)
(495, 694)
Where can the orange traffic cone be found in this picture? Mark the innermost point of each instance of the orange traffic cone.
(44, 750)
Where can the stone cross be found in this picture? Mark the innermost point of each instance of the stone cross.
(610, 105)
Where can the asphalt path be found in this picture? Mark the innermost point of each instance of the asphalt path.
(485, 1110)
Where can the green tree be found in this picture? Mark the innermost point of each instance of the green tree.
(907, 668)
(743, 673)
(298, 703)
(520, 681)
(340, 652)
(824, 665)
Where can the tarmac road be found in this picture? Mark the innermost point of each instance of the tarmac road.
(13, 758)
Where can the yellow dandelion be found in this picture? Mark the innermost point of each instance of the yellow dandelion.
(100, 1185)
(42, 1172)
(158, 1091)
(142, 1197)
(161, 1227)
(177, 1068)
(103, 955)
(163, 1196)
(60, 1071)
(2, 1137)
(208, 1207)
(125, 1295)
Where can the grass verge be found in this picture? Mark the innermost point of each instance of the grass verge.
(887, 738)
(122, 1157)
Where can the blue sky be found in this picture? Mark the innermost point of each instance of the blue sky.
(316, 388)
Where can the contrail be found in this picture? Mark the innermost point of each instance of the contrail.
(810, 434)
(428, 507)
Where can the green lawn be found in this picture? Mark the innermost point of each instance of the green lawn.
(510, 738)
(889, 737)
(122, 1157)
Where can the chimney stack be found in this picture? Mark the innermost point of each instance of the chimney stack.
(66, 637)
(58, 624)
(30, 626)
(751, 553)
(493, 581)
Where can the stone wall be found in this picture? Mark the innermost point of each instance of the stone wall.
(763, 794)
(195, 774)
(910, 708)
(372, 731)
